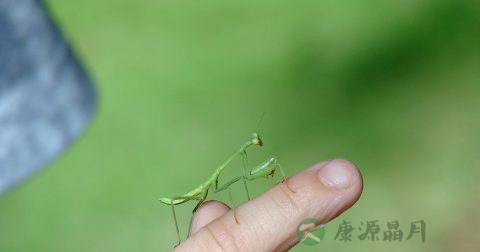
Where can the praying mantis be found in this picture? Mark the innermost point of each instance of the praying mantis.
(200, 193)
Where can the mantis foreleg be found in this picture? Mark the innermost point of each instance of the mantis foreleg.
(265, 169)
(284, 177)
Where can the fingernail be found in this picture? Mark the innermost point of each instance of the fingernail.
(337, 174)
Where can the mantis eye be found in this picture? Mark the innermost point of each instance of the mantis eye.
(256, 139)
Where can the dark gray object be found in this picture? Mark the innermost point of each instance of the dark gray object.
(46, 98)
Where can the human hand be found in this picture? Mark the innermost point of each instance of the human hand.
(269, 222)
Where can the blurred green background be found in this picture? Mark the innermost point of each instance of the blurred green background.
(392, 86)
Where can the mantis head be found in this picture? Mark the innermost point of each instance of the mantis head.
(256, 139)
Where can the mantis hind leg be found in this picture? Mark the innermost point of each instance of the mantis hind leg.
(232, 204)
(191, 218)
(200, 201)
(227, 186)
(175, 215)
(245, 172)
(176, 225)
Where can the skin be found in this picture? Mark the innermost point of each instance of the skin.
(268, 222)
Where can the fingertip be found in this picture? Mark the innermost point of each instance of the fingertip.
(336, 176)
(342, 177)
(339, 173)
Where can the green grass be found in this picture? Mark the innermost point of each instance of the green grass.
(392, 86)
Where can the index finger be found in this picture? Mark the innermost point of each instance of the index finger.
(269, 222)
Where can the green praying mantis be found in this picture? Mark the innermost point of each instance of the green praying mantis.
(200, 193)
